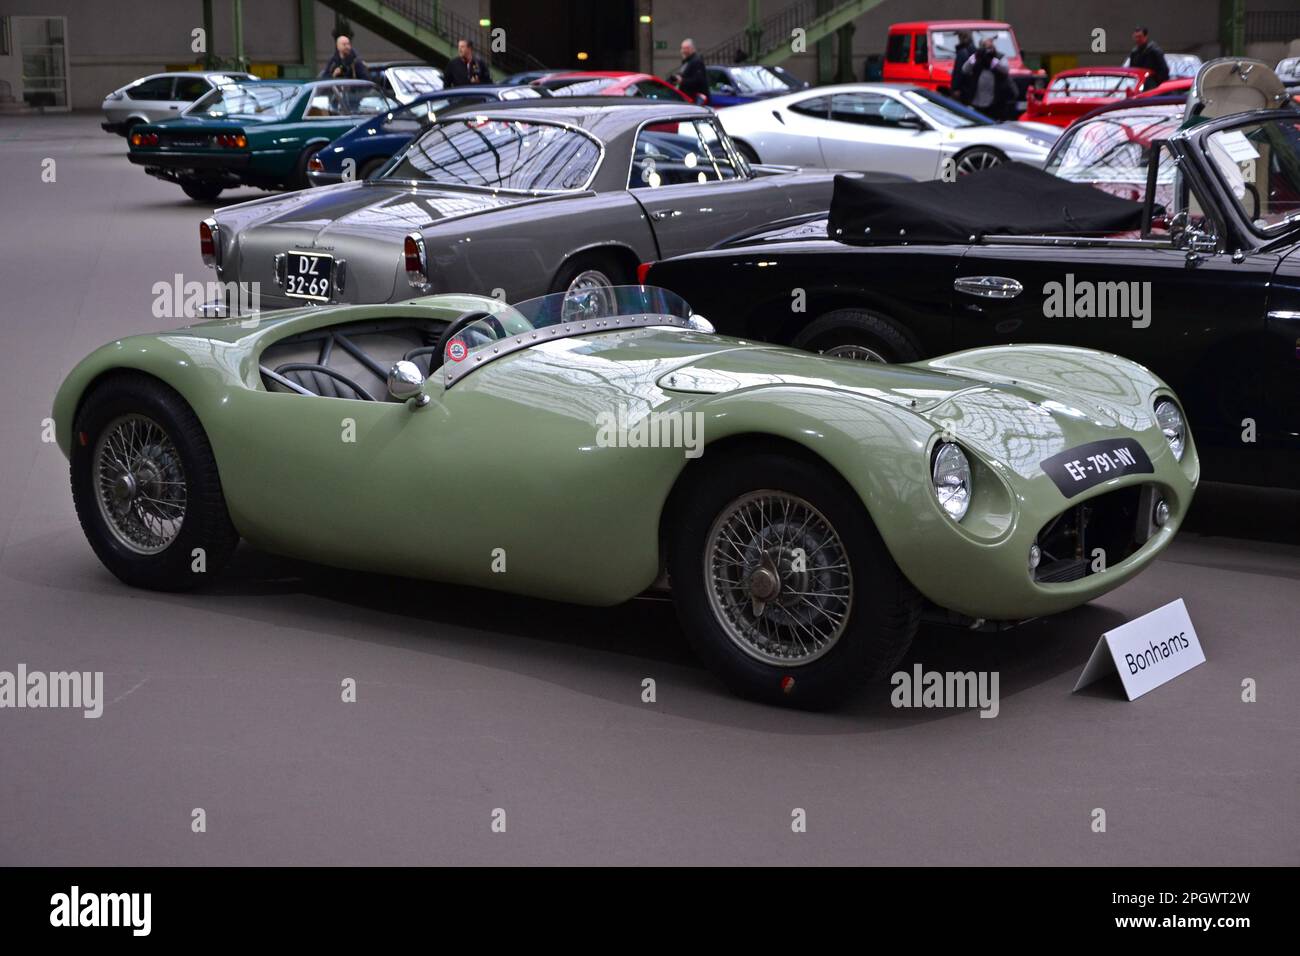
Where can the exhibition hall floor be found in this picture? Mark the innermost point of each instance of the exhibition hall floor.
(468, 702)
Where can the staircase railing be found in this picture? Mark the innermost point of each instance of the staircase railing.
(430, 15)
(773, 29)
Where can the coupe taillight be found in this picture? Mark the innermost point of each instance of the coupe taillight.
(314, 165)
(208, 241)
(144, 139)
(413, 253)
(231, 140)
(641, 272)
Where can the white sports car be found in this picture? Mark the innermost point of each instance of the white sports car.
(881, 127)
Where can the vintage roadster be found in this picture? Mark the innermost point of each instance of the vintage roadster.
(580, 446)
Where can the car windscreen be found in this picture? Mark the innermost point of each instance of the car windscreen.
(419, 116)
(1259, 163)
(580, 311)
(1113, 151)
(594, 87)
(261, 99)
(758, 79)
(416, 80)
(523, 93)
(1099, 85)
(518, 155)
(943, 43)
(944, 111)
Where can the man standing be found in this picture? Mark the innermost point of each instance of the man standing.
(468, 67)
(989, 81)
(692, 79)
(960, 80)
(344, 64)
(1148, 56)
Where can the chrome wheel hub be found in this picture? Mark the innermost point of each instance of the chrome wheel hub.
(778, 578)
(139, 484)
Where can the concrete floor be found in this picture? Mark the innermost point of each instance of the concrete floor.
(228, 699)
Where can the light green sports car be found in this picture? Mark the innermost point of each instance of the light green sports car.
(805, 511)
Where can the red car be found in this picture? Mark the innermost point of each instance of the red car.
(1072, 93)
(922, 53)
(1075, 92)
(610, 83)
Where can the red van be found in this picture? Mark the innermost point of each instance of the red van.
(922, 53)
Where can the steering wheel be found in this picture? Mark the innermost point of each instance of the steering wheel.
(458, 325)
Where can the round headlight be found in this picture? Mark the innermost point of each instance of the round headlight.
(1170, 419)
(952, 484)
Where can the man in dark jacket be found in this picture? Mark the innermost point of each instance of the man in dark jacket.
(960, 81)
(692, 79)
(344, 64)
(989, 79)
(1148, 56)
(468, 68)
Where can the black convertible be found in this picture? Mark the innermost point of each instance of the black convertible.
(1167, 237)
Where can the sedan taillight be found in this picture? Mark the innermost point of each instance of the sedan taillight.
(144, 139)
(208, 242)
(231, 140)
(314, 165)
(416, 260)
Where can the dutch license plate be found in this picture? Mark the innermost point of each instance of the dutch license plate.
(309, 275)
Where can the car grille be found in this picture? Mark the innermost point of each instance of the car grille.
(1118, 522)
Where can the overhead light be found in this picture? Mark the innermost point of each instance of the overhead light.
(646, 18)
(485, 22)
(582, 54)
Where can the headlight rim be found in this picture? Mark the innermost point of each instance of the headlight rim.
(940, 448)
(1179, 442)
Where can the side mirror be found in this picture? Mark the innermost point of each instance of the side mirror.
(406, 384)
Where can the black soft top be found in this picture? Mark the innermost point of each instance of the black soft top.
(1011, 199)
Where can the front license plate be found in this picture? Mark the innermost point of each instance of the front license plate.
(309, 275)
(1080, 468)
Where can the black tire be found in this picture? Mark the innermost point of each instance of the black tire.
(747, 151)
(201, 190)
(856, 329)
(370, 166)
(300, 179)
(206, 523)
(882, 617)
(977, 157)
(605, 263)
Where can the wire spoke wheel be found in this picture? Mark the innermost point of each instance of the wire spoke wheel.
(139, 483)
(778, 578)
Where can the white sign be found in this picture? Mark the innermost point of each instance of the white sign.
(1155, 648)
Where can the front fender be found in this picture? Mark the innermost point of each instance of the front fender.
(977, 567)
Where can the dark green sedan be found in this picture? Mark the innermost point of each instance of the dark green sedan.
(260, 133)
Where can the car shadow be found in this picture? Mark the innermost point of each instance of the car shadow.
(639, 638)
